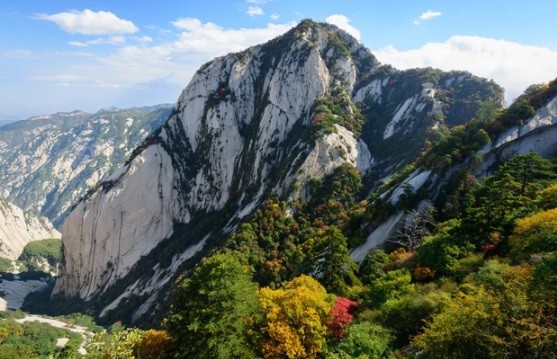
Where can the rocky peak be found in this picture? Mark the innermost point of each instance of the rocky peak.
(249, 125)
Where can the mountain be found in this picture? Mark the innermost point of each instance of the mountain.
(48, 162)
(6, 122)
(17, 228)
(265, 122)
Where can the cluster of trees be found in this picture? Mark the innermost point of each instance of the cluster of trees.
(41, 255)
(35, 253)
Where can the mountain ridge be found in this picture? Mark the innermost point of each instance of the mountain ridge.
(241, 131)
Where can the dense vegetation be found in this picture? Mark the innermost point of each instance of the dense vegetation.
(34, 340)
(480, 284)
(472, 276)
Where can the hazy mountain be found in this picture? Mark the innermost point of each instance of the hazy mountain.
(48, 162)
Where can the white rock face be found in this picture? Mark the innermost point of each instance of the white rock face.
(415, 181)
(538, 134)
(374, 90)
(238, 134)
(18, 228)
(47, 163)
(120, 231)
(330, 152)
(378, 236)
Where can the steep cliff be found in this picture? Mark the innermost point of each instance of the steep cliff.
(537, 134)
(48, 162)
(249, 125)
(17, 228)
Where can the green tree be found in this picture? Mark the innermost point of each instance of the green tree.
(330, 262)
(373, 265)
(362, 340)
(394, 284)
(408, 314)
(509, 194)
(441, 251)
(213, 310)
(494, 316)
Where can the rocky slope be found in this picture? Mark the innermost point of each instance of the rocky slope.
(48, 162)
(537, 134)
(249, 125)
(17, 228)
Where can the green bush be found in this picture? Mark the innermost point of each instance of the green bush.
(441, 251)
(373, 265)
(408, 314)
(34, 340)
(363, 340)
(5, 264)
(46, 248)
(394, 284)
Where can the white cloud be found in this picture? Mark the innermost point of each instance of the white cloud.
(274, 16)
(143, 39)
(188, 24)
(135, 67)
(112, 40)
(255, 11)
(213, 40)
(343, 23)
(88, 22)
(78, 43)
(428, 15)
(21, 53)
(64, 78)
(514, 66)
(131, 74)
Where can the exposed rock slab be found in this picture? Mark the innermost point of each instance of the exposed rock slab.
(17, 228)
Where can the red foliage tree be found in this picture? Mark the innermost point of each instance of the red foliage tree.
(340, 316)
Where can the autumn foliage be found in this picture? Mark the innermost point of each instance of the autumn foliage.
(341, 315)
(154, 344)
(295, 319)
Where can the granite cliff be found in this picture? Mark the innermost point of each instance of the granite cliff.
(250, 125)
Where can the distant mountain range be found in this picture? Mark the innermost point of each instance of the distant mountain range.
(48, 162)
(6, 122)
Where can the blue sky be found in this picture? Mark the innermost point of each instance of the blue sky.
(66, 55)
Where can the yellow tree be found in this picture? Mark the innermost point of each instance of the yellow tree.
(295, 316)
(534, 234)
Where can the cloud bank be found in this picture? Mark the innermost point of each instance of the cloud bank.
(89, 22)
(512, 65)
